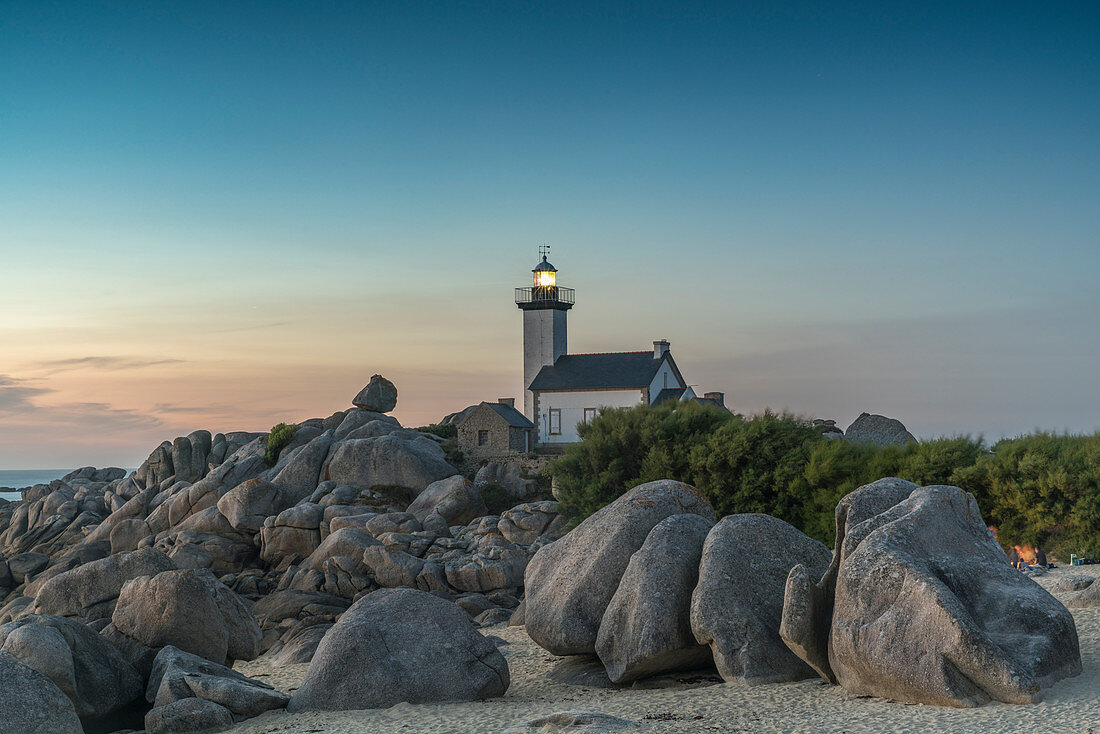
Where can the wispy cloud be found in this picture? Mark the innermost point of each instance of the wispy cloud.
(103, 363)
(16, 396)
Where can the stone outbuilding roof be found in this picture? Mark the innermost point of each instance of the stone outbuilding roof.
(614, 371)
(512, 416)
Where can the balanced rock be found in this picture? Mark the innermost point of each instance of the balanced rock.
(647, 628)
(570, 582)
(928, 610)
(878, 430)
(402, 645)
(380, 396)
(31, 703)
(738, 604)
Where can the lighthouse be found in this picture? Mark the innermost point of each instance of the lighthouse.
(545, 305)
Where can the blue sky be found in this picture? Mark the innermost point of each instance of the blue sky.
(235, 213)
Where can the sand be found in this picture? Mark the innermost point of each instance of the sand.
(1072, 705)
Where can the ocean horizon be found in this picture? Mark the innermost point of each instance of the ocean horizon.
(23, 478)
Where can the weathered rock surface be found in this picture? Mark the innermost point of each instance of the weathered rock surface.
(31, 703)
(647, 628)
(455, 499)
(87, 668)
(808, 600)
(190, 610)
(404, 645)
(737, 606)
(399, 459)
(570, 582)
(508, 475)
(90, 591)
(380, 395)
(188, 716)
(928, 610)
(878, 430)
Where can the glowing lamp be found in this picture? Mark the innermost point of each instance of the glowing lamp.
(546, 275)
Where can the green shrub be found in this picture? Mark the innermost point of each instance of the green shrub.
(453, 454)
(448, 430)
(496, 497)
(771, 463)
(277, 440)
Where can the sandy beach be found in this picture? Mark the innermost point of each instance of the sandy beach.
(701, 706)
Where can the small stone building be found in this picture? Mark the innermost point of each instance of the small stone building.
(495, 429)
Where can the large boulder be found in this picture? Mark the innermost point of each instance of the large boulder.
(455, 499)
(177, 675)
(398, 459)
(878, 430)
(90, 591)
(403, 645)
(570, 582)
(247, 505)
(380, 396)
(188, 716)
(508, 475)
(808, 601)
(928, 610)
(738, 603)
(647, 628)
(301, 473)
(87, 668)
(190, 610)
(30, 703)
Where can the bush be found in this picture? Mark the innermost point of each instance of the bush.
(496, 498)
(1041, 490)
(277, 440)
(775, 464)
(448, 430)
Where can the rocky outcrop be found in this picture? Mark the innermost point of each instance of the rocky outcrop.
(508, 475)
(647, 628)
(451, 501)
(31, 703)
(190, 610)
(878, 430)
(404, 645)
(178, 676)
(737, 605)
(399, 459)
(87, 668)
(808, 599)
(90, 591)
(380, 395)
(928, 610)
(570, 582)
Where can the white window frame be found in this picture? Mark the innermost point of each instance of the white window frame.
(590, 415)
(554, 418)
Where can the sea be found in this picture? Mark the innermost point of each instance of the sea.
(22, 478)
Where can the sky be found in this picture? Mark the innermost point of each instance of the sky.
(227, 215)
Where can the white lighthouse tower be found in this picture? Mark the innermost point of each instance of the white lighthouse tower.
(544, 307)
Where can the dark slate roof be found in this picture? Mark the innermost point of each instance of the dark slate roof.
(619, 370)
(669, 393)
(510, 414)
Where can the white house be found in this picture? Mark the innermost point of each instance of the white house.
(563, 390)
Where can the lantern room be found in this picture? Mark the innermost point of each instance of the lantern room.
(546, 275)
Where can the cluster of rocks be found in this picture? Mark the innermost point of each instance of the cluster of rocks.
(917, 603)
(209, 551)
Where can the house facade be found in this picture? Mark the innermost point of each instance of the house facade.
(562, 390)
(495, 429)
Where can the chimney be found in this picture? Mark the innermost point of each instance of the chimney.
(510, 402)
(718, 397)
(660, 348)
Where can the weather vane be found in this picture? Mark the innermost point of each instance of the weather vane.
(544, 250)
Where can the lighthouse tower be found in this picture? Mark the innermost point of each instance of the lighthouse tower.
(544, 307)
